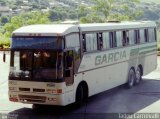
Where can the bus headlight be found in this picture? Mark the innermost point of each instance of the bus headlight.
(27, 74)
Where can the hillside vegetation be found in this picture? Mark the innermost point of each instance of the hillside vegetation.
(150, 1)
(26, 12)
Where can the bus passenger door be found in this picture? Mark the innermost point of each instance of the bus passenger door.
(69, 76)
(69, 67)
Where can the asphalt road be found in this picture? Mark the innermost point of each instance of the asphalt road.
(143, 98)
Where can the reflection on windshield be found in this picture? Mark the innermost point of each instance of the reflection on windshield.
(38, 65)
(38, 60)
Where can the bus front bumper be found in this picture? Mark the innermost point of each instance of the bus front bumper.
(44, 99)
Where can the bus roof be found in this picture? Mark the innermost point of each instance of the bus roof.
(116, 26)
(46, 30)
(64, 29)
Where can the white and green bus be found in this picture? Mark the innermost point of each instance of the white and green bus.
(64, 63)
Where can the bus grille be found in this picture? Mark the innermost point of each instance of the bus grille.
(24, 89)
(30, 98)
(38, 90)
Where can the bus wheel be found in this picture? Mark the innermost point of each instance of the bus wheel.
(131, 78)
(37, 107)
(138, 77)
(79, 96)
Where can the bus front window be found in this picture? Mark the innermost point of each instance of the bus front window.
(38, 65)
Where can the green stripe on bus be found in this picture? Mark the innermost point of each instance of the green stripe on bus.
(136, 51)
(146, 52)
(148, 47)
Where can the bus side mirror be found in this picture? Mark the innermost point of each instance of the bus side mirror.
(4, 57)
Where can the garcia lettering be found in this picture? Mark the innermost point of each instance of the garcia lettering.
(111, 57)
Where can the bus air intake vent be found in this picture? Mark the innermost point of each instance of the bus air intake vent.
(30, 98)
(24, 89)
(38, 90)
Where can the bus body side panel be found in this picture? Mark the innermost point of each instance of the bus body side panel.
(148, 57)
(107, 69)
(103, 70)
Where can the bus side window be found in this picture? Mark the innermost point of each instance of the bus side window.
(119, 38)
(91, 42)
(146, 39)
(112, 39)
(72, 40)
(131, 37)
(137, 37)
(124, 38)
(152, 34)
(127, 38)
(142, 38)
(100, 41)
(106, 41)
(155, 34)
(84, 42)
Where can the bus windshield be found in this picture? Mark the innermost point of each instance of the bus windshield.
(36, 65)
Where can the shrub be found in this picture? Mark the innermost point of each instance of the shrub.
(158, 47)
(5, 43)
(1, 44)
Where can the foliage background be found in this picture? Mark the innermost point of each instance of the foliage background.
(87, 11)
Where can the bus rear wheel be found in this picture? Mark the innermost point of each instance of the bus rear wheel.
(131, 78)
(138, 77)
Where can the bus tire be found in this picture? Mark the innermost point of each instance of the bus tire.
(79, 96)
(37, 107)
(138, 76)
(131, 78)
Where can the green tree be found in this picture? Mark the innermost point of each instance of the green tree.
(128, 10)
(4, 42)
(25, 19)
(3, 2)
(4, 20)
(106, 10)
